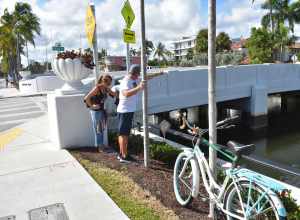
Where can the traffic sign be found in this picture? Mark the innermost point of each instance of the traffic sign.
(58, 47)
(128, 14)
(90, 24)
(129, 36)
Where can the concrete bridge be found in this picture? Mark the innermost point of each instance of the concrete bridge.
(246, 86)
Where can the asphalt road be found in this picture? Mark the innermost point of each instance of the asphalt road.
(18, 110)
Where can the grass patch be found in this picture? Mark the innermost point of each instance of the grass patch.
(134, 201)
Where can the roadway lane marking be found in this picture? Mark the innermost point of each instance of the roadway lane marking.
(8, 137)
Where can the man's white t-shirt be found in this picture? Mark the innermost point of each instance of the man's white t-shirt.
(127, 104)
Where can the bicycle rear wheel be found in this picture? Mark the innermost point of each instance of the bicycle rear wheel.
(256, 204)
(183, 185)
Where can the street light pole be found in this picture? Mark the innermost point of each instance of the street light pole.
(145, 91)
(212, 106)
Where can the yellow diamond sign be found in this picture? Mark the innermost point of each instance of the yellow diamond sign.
(129, 36)
(90, 25)
(128, 14)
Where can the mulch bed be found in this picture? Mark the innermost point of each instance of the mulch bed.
(157, 179)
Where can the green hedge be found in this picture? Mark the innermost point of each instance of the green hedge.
(158, 150)
(231, 58)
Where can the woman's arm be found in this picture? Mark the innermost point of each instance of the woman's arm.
(111, 93)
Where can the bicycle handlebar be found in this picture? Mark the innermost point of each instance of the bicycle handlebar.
(221, 124)
(227, 121)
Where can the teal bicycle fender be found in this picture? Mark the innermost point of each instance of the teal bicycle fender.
(259, 179)
(270, 185)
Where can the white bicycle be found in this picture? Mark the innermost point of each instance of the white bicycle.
(243, 195)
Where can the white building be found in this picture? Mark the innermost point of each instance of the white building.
(181, 47)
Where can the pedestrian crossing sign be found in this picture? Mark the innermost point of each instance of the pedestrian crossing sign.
(128, 14)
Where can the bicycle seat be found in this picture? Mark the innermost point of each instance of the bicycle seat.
(240, 149)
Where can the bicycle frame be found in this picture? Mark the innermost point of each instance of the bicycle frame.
(216, 192)
(210, 184)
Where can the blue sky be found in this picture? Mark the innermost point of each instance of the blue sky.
(166, 20)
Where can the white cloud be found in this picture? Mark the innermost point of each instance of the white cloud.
(63, 21)
(237, 19)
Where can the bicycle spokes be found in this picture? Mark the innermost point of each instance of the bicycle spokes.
(250, 202)
(185, 179)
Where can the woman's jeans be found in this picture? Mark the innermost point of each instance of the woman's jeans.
(99, 126)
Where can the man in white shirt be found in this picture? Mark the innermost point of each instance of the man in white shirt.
(128, 88)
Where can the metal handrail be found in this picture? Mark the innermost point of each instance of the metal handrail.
(253, 158)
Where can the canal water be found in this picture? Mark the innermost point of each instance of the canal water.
(279, 142)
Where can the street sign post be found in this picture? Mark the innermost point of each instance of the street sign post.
(129, 36)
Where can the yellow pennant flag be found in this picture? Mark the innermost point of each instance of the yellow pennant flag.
(90, 25)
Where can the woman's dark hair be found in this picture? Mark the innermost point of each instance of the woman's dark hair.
(103, 78)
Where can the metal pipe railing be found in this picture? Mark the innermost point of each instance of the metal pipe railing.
(253, 158)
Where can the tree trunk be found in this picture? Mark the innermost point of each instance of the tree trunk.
(12, 67)
(28, 56)
(212, 106)
(271, 16)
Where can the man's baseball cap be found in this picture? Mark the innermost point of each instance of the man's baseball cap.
(135, 69)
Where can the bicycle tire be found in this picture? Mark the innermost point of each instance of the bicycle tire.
(183, 200)
(231, 194)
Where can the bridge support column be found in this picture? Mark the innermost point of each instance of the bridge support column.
(258, 107)
(284, 103)
(193, 115)
(233, 112)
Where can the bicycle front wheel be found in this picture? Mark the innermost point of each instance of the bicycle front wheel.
(252, 204)
(184, 181)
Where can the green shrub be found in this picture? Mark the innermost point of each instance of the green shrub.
(158, 150)
(164, 152)
(186, 63)
(135, 143)
(292, 208)
(228, 58)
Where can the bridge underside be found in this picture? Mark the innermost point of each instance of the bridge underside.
(244, 87)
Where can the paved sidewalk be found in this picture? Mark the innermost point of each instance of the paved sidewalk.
(33, 174)
(13, 92)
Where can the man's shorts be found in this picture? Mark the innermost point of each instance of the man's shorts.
(125, 123)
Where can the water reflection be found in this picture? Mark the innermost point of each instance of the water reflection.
(280, 142)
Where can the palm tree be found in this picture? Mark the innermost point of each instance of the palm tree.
(160, 51)
(149, 47)
(133, 52)
(17, 28)
(268, 19)
(281, 11)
